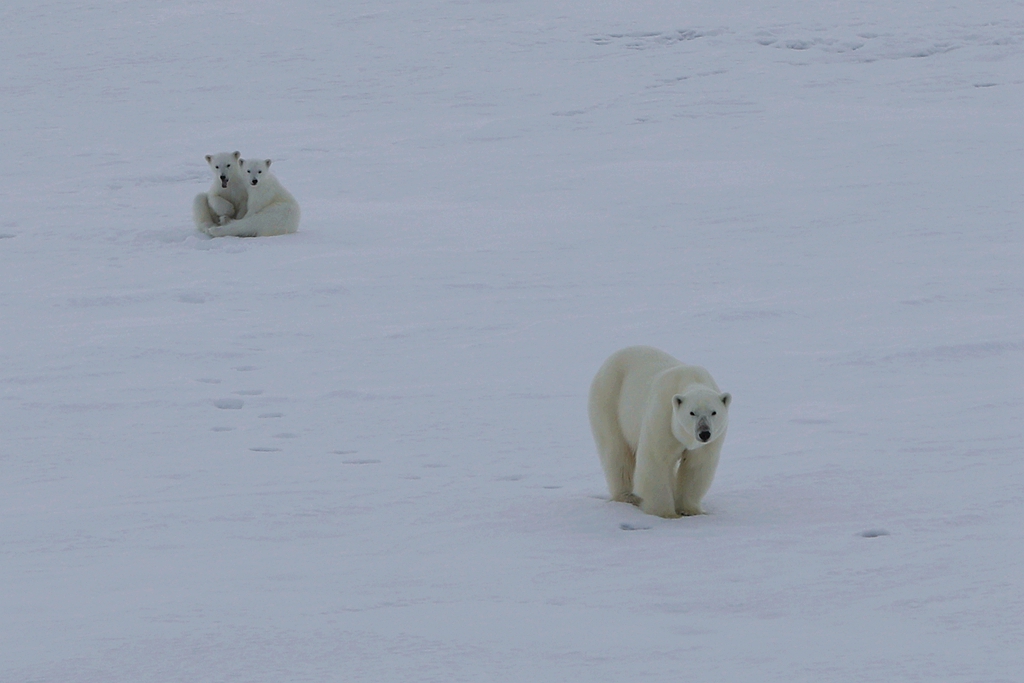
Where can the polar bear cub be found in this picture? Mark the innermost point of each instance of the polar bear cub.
(270, 209)
(659, 427)
(226, 198)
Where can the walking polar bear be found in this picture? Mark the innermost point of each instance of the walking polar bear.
(659, 427)
(266, 210)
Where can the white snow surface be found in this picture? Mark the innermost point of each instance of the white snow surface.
(361, 452)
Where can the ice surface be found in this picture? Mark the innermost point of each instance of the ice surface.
(819, 202)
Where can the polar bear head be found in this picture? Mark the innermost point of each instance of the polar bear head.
(699, 415)
(225, 166)
(254, 169)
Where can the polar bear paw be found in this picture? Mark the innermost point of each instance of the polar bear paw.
(630, 498)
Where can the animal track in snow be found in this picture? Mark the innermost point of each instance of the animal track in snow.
(222, 429)
(868, 47)
(264, 449)
(873, 533)
(356, 461)
(632, 527)
(826, 43)
(645, 40)
(229, 403)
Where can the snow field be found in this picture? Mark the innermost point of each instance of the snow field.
(361, 452)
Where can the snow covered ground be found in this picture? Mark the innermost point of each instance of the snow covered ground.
(361, 453)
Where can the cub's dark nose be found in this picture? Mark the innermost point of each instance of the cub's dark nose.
(704, 436)
(254, 181)
(223, 177)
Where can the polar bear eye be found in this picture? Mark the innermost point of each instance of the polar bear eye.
(693, 413)
(714, 412)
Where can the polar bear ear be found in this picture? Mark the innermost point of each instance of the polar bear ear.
(238, 155)
(209, 158)
(677, 400)
(726, 399)
(268, 163)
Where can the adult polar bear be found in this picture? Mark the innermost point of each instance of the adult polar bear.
(270, 209)
(659, 427)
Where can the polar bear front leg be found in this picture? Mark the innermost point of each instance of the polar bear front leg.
(653, 479)
(221, 208)
(693, 478)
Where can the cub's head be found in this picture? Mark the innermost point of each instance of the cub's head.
(699, 415)
(224, 165)
(255, 169)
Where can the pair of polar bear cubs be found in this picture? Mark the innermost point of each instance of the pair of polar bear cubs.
(245, 200)
(659, 427)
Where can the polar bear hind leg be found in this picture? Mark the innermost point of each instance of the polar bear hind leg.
(619, 463)
(201, 214)
(276, 219)
(617, 458)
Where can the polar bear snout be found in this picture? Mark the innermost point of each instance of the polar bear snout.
(704, 430)
(223, 181)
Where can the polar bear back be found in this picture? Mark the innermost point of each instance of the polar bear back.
(641, 381)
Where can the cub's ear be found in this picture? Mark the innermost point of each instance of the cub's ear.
(268, 163)
(238, 155)
(677, 400)
(726, 399)
(209, 158)
(241, 161)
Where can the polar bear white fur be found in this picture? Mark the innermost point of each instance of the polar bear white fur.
(226, 198)
(271, 209)
(659, 427)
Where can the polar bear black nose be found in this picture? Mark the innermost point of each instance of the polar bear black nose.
(223, 177)
(704, 436)
(254, 181)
